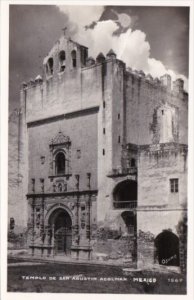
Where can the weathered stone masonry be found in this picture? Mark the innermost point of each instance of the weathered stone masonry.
(103, 159)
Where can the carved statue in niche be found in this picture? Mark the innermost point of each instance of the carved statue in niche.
(59, 186)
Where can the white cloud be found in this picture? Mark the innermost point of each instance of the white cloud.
(99, 39)
(133, 48)
(130, 46)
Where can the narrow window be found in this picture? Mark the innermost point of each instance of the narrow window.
(73, 57)
(118, 116)
(50, 65)
(119, 139)
(60, 163)
(103, 151)
(174, 185)
(104, 104)
(104, 130)
(162, 111)
(62, 59)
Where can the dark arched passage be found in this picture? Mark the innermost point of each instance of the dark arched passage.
(50, 65)
(62, 223)
(130, 221)
(167, 248)
(125, 194)
(62, 60)
(73, 57)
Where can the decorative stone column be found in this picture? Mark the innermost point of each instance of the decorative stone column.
(47, 241)
(53, 240)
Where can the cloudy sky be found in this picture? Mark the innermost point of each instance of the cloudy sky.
(152, 39)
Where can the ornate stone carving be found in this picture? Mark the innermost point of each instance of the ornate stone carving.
(61, 139)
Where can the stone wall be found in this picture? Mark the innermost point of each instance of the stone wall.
(156, 166)
(16, 201)
(82, 131)
(143, 97)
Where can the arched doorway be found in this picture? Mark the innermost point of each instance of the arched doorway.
(130, 221)
(62, 222)
(125, 194)
(167, 248)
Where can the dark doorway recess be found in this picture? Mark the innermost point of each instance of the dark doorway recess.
(167, 249)
(130, 221)
(125, 194)
(63, 231)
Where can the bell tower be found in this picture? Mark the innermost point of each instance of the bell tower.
(65, 56)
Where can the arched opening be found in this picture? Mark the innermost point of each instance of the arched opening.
(50, 65)
(125, 194)
(62, 223)
(62, 59)
(60, 163)
(167, 249)
(73, 57)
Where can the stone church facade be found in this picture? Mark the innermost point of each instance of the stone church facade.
(103, 160)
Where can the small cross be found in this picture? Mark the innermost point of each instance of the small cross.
(64, 30)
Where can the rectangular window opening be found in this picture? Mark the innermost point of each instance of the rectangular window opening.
(103, 151)
(119, 139)
(174, 185)
(118, 116)
(104, 130)
(104, 104)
